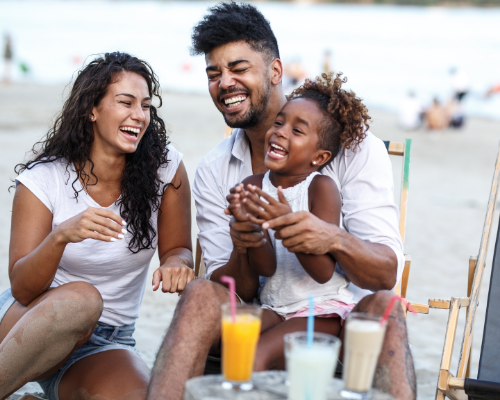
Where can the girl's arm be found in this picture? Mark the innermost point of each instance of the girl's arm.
(324, 203)
(35, 249)
(174, 236)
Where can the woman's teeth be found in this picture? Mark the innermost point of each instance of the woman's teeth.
(234, 101)
(135, 131)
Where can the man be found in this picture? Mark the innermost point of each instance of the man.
(244, 74)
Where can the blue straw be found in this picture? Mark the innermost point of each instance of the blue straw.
(310, 323)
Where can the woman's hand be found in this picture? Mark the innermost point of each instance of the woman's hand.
(260, 211)
(175, 274)
(93, 223)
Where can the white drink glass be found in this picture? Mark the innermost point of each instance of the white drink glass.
(364, 337)
(310, 368)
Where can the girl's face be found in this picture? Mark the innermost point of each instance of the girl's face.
(292, 142)
(122, 116)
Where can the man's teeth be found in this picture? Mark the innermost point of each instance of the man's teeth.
(234, 101)
(128, 128)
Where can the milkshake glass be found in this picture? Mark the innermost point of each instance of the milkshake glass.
(364, 337)
(310, 368)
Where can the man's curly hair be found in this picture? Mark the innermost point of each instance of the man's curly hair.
(230, 22)
(346, 117)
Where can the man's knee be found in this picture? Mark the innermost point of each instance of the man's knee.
(377, 303)
(203, 295)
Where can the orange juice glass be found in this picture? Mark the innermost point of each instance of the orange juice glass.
(239, 341)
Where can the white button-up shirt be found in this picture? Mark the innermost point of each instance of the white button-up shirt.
(364, 179)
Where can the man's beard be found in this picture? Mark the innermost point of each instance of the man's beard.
(254, 114)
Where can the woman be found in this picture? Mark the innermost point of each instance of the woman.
(103, 190)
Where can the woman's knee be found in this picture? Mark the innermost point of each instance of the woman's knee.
(75, 306)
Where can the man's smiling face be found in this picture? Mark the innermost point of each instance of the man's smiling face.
(239, 83)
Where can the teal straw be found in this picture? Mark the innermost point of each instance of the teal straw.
(310, 323)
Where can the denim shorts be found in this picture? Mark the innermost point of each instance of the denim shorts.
(105, 337)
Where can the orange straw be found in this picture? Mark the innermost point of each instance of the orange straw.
(232, 295)
(389, 308)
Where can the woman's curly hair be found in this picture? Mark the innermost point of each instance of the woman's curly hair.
(346, 117)
(71, 138)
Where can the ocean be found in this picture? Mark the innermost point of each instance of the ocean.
(385, 51)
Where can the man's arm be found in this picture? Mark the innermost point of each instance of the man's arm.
(371, 266)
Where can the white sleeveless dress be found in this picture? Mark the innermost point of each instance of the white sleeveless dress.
(287, 291)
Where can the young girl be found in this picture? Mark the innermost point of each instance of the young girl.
(319, 119)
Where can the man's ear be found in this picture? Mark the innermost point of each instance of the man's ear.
(321, 158)
(276, 71)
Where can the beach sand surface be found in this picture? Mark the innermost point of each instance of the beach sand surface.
(450, 178)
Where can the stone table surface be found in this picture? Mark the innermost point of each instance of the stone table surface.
(269, 385)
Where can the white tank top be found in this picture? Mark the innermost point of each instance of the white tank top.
(118, 274)
(288, 289)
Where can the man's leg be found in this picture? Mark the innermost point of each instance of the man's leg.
(395, 373)
(196, 326)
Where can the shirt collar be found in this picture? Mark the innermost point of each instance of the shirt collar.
(240, 144)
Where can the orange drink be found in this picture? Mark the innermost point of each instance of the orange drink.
(239, 341)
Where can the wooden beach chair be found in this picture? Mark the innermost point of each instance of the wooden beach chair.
(487, 384)
(394, 149)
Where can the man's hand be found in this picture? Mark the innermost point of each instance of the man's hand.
(174, 275)
(246, 234)
(302, 232)
(260, 211)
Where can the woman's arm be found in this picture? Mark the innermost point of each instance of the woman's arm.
(174, 236)
(36, 250)
(325, 203)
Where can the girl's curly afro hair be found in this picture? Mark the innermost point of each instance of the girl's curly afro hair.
(346, 117)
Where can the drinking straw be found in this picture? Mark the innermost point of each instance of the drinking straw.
(389, 308)
(310, 323)
(232, 295)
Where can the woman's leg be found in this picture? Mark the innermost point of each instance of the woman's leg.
(270, 350)
(112, 374)
(36, 340)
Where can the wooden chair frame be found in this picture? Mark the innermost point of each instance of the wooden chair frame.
(449, 385)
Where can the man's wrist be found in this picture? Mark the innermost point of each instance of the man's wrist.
(336, 239)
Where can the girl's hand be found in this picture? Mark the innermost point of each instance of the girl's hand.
(174, 275)
(260, 211)
(93, 223)
(236, 208)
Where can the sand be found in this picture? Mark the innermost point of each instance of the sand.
(450, 178)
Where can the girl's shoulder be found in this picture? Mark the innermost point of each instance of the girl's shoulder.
(323, 183)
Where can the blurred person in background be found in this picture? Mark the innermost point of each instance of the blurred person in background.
(7, 57)
(495, 89)
(244, 74)
(101, 192)
(436, 116)
(410, 112)
(460, 83)
(454, 111)
(294, 74)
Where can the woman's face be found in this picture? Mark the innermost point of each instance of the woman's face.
(122, 116)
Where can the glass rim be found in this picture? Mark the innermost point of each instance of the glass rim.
(242, 306)
(364, 316)
(320, 335)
